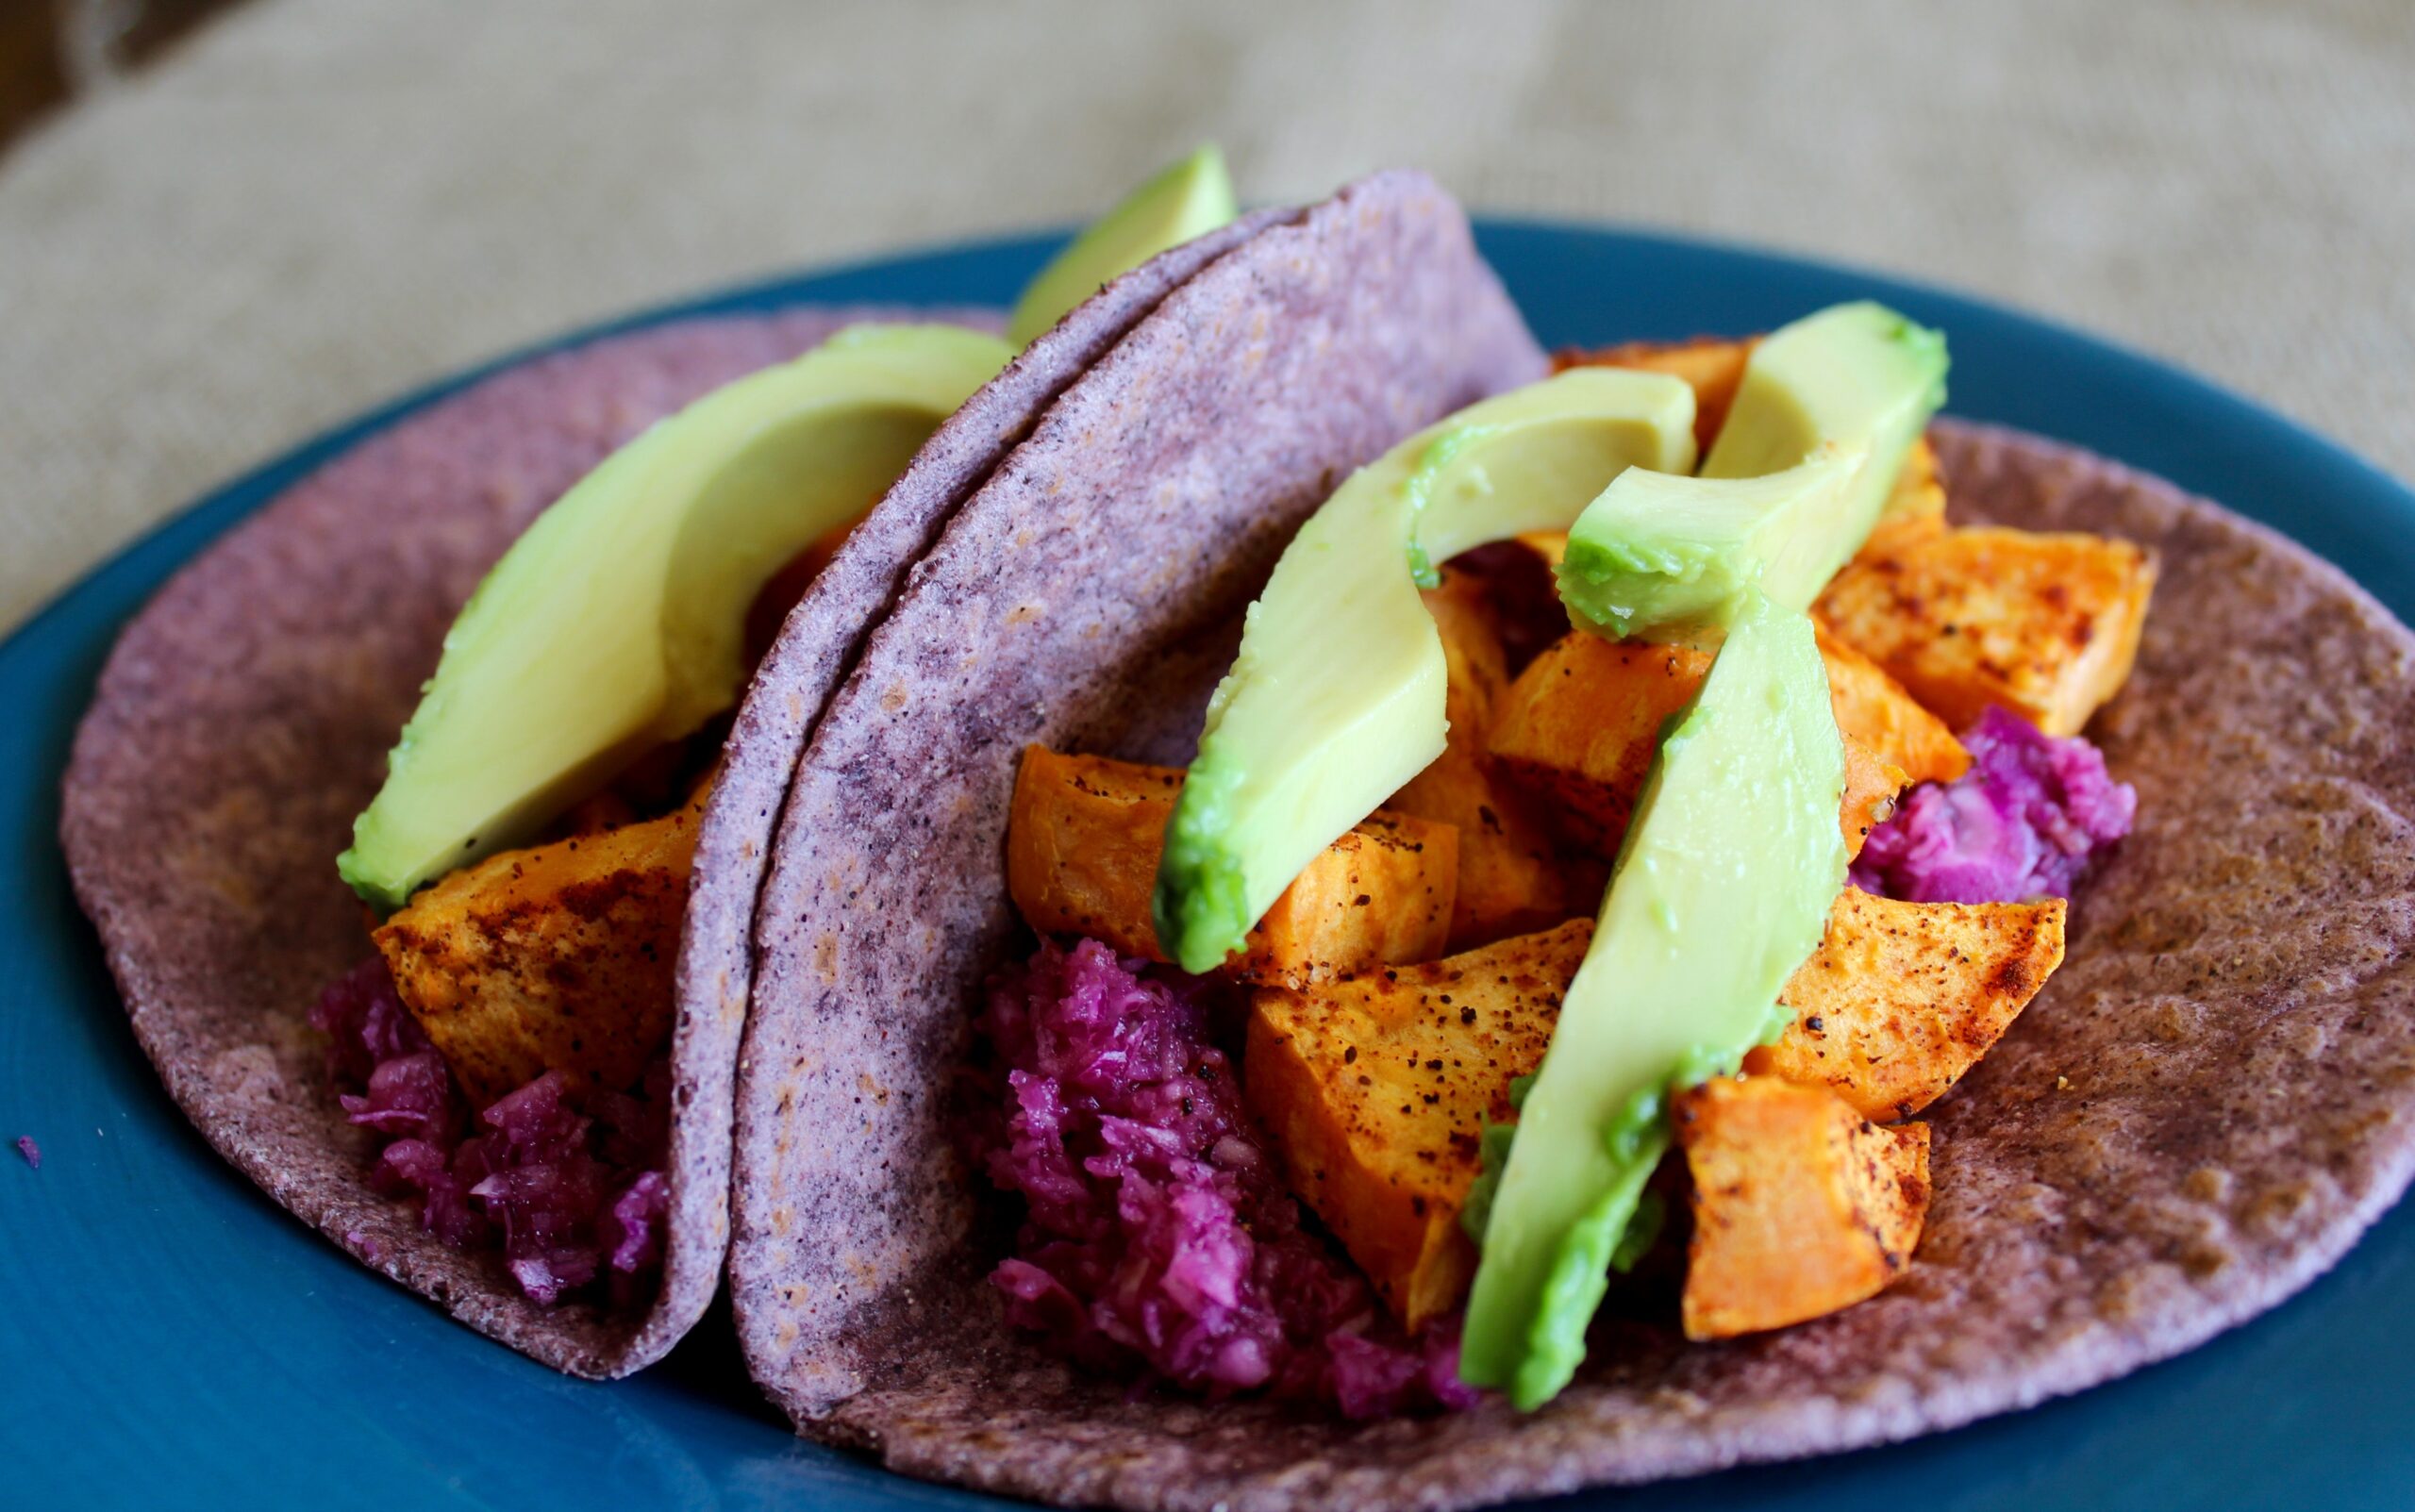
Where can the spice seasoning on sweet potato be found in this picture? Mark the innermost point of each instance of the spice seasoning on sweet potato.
(1801, 1207)
(1578, 728)
(1509, 879)
(1083, 839)
(1871, 786)
(557, 958)
(1901, 998)
(2044, 625)
(1377, 1090)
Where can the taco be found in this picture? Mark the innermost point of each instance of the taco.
(1115, 1133)
(561, 863)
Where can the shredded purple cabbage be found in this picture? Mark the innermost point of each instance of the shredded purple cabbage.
(31, 1151)
(1160, 1241)
(2029, 820)
(569, 1190)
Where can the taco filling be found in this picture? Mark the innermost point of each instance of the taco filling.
(1632, 803)
(528, 861)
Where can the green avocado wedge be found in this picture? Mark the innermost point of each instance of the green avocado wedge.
(1843, 393)
(1336, 697)
(1186, 200)
(615, 621)
(1858, 375)
(1659, 553)
(1733, 858)
(1723, 887)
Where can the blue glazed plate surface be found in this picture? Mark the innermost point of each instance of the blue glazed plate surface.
(169, 1338)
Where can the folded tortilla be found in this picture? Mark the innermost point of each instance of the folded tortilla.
(245, 717)
(2204, 1107)
(1086, 596)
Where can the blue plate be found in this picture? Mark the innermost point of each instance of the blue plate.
(169, 1336)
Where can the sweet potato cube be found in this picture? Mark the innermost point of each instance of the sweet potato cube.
(1871, 782)
(1915, 511)
(1920, 488)
(1901, 998)
(1083, 841)
(2045, 625)
(1511, 882)
(1084, 834)
(1579, 725)
(1712, 365)
(558, 957)
(1874, 708)
(1376, 1091)
(1801, 1206)
(1380, 895)
(1896, 532)
(1471, 650)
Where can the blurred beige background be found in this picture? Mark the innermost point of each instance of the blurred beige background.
(310, 204)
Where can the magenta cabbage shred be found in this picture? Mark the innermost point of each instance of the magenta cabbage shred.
(567, 1186)
(2032, 817)
(1159, 1243)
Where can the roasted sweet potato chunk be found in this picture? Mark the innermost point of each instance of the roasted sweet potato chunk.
(1380, 895)
(1916, 509)
(558, 957)
(1712, 365)
(1578, 728)
(1579, 725)
(1084, 834)
(1083, 841)
(1901, 998)
(1510, 881)
(1874, 708)
(1871, 782)
(1376, 1091)
(1801, 1206)
(2048, 625)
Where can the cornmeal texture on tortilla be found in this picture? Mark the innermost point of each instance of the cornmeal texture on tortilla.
(245, 715)
(1084, 596)
(244, 720)
(2199, 1115)
(815, 647)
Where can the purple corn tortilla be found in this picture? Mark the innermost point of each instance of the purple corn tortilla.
(241, 743)
(1082, 597)
(816, 645)
(243, 719)
(2207, 1105)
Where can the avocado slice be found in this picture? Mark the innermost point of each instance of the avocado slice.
(615, 621)
(1732, 860)
(1722, 892)
(1187, 200)
(1858, 375)
(1336, 698)
(1658, 552)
